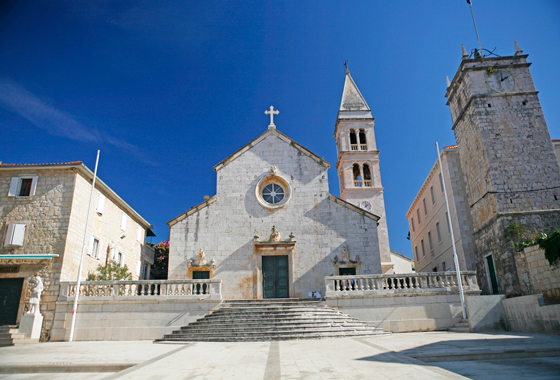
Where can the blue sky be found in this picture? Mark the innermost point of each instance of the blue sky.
(167, 89)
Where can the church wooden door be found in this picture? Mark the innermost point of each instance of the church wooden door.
(10, 294)
(275, 276)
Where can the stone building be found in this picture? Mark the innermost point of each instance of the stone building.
(43, 210)
(273, 230)
(430, 233)
(511, 172)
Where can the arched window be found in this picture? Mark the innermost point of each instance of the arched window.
(353, 140)
(363, 142)
(367, 176)
(357, 175)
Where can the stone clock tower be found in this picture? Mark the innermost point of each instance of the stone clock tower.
(511, 171)
(358, 162)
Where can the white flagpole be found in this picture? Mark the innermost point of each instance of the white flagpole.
(475, 29)
(455, 258)
(77, 291)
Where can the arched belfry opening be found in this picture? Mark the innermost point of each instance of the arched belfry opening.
(363, 141)
(357, 175)
(353, 140)
(367, 176)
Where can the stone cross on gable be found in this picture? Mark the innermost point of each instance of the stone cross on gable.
(272, 112)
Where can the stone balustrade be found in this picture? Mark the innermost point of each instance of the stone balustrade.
(393, 284)
(202, 289)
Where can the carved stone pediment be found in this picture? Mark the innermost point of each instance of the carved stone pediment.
(201, 262)
(346, 260)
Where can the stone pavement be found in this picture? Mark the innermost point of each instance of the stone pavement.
(429, 355)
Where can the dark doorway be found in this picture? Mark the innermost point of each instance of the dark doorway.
(346, 271)
(10, 295)
(492, 274)
(201, 275)
(275, 276)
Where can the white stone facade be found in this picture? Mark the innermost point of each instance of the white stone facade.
(230, 225)
(427, 219)
(54, 216)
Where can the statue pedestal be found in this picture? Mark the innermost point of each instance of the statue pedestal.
(30, 325)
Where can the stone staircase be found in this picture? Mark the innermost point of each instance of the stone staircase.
(265, 320)
(461, 326)
(10, 336)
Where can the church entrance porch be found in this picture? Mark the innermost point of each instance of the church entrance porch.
(275, 276)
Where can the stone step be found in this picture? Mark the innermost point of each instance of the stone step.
(271, 337)
(461, 326)
(260, 329)
(261, 320)
(4, 342)
(308, 323)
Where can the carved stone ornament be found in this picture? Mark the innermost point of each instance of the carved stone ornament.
(273, 170)
(346, 257)
(274, 236)
(345, 254)
(201, 261)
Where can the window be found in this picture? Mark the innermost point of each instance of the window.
(418, 216)
(443, 267)
(447, 220)
(432, 194)
(273, 193)
(119, 258)
(438, 233)
(100, 203)
(353, 140)
(367, 175)
(363, 142)
(425, 208)
(123, 221)
(357, 175)
(15, 233)
(139, 234)
(416, 251)
(23, 186)
(441, 182)
(412, 223)
(423, 250)
(430, 241)
(94, 247)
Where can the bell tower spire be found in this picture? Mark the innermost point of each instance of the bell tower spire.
(358, 161)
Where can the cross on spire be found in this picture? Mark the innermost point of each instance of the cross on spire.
(272, 112)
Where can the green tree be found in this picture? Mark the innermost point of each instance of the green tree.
(161, 261)
(111, 272)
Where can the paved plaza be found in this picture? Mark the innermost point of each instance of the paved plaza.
(429, 355)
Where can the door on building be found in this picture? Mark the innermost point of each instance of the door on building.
(492, 274)
(201, 275)
(275, 277)
(346, 271)
(10, 295)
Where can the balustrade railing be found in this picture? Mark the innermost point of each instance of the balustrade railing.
(363, 146)
(144, 288)
(354, 146)
(357, 183)
(367, 183)
(395, 283)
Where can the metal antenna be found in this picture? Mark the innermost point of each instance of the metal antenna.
(476, 30)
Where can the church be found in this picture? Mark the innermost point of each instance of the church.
(273, 230)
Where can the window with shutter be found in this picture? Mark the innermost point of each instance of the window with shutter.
(123, 221)
(15, 234)
(100, 203)
(139, 234)
(24, 186)
(94, 247)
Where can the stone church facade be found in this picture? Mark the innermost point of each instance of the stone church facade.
(273, 230)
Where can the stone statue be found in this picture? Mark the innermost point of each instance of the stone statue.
(201, 258)
(36, 283)
(213, 262)
(274, 236)
(273, 170)
(345, 254)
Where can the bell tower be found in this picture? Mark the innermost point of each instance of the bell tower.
(358, 162)
(511, 171)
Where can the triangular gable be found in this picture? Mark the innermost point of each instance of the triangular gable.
(281, 136)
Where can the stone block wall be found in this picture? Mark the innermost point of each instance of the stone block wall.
(46, 215)
(131, 319)
(542, 278)
(530, 314)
